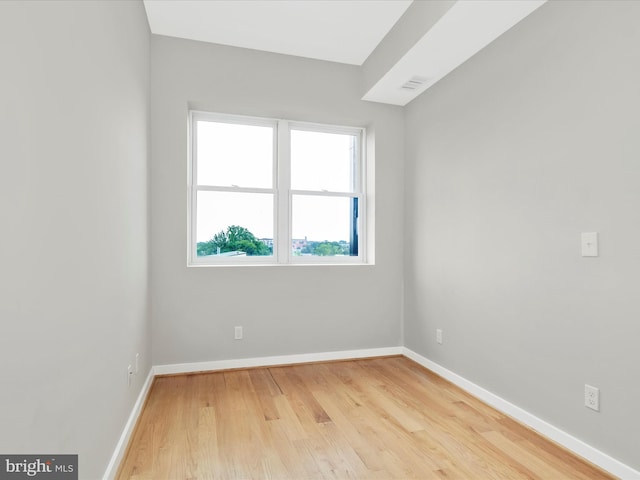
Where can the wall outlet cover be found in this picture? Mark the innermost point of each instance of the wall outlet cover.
(592, 397)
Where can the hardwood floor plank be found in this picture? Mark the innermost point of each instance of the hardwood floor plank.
(388, 395)
(378, 419)
(266, 388)
(350, 430)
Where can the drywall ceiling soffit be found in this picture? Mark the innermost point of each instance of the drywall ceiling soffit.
(465, 29)
(344, 31)
(461, 32)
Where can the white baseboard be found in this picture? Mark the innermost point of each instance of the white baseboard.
(568, 441)
(277, 360)
(121, 447)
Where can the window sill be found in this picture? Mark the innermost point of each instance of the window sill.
(279, 265)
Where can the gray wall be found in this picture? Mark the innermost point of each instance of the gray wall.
(531, 142)
(73, 218)
(283, 309)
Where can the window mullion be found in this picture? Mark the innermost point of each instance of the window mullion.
(283, 215)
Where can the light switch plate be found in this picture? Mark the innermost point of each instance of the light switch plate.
(590, 244)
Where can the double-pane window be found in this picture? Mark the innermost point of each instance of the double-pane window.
(274, 191)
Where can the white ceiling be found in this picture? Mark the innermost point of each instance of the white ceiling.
(344, 31)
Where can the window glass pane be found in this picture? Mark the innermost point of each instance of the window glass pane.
(237, 223)
(323, 226)
(322, 161)
(230, 154)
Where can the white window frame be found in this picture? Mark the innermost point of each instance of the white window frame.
(281, 190)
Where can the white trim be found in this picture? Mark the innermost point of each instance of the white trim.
(204, 116)
(283, 230)
(234, 189)
(123, 442)
(276, 360)
(568, 441)
(192, 193)
(326, 193)
(325, 128)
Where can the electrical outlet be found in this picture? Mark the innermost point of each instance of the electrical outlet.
(439, 336)
(592, 397)
(238, 333)
(137, 369)
(129, 375)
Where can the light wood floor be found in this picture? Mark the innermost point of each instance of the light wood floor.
(384, 418)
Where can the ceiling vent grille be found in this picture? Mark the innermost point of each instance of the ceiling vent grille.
(414, 83)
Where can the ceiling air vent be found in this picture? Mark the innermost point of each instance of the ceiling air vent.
(414, 83)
